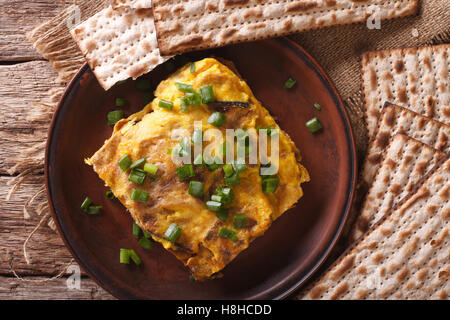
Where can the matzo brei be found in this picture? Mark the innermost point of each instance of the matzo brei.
(406, 256)
(119, 44)
(416, 78)
(406, 162)
(205, 24)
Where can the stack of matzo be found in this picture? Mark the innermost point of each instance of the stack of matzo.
(400, 239)
(121, 41)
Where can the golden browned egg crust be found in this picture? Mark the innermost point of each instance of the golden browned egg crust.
(148, 134)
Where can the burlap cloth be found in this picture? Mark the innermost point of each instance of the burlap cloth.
(337, 49)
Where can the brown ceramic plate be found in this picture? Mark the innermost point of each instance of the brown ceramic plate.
(275, 264)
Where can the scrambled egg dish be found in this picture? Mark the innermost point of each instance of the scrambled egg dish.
(205, 214)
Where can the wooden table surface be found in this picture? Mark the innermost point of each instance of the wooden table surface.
(25, 77)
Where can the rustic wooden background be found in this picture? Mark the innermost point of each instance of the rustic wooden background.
(25, 78)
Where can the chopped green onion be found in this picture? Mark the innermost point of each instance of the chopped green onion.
(139, 195)
(232, 180)
(110, 195)
(217, 198)
(136, 230)
(270, 185)
(314, 125)
(222, 214)
(192, 67)
(86, 203)
(240, 221)
(289, 83)
(125, 162)
(207, 93)
(194, 99)
(228, 170)
(185, 145)
(114, 117)
(172, 233)
(213, 166)
(217, 119)
(124, 256)
(150, 168)
(165, 104)
(169, 151)
(196, 188)
(146, 234)
(93, 209)
(134, 256)
(213, 205)
(137, 163)
(185, 172)
(317, 106)
(227, 234)
(145, 243)
(137, 176)
(147, 97)
(226, 193)
(184, 87)
(143, 84)
(239, 166)
(197, 136)
(120, 102)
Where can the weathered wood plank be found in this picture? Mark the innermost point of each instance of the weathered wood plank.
(18, 17)
(46, 250)
(21, 85)
(15, 289)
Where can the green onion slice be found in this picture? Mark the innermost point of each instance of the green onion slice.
(207, 93)
(232, 180)
(145, 243)
(196, 188)
(134, 256)
(317, 106)
(137, 163)
(172, 233)
(93, 209)
(270, 185)
(226, 193)
(217, 198)
(146, 234)
(139, 195)
(120, 102)
(137, 176)
(228, 234)
(114, 116)
(136, 230)
(124, 256)
(193, 99)
(110, 195)
(125, 162)
(86, 203)
(192, 67)
(150, 168)
(185, 172)
(217, 119)
(213, 205)
(184, 87)
(165, 104)
(222, 214)
(240, 221)
(289, 83)
(314, 125)
(228, 170)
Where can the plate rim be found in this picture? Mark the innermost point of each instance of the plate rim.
(344, 216)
